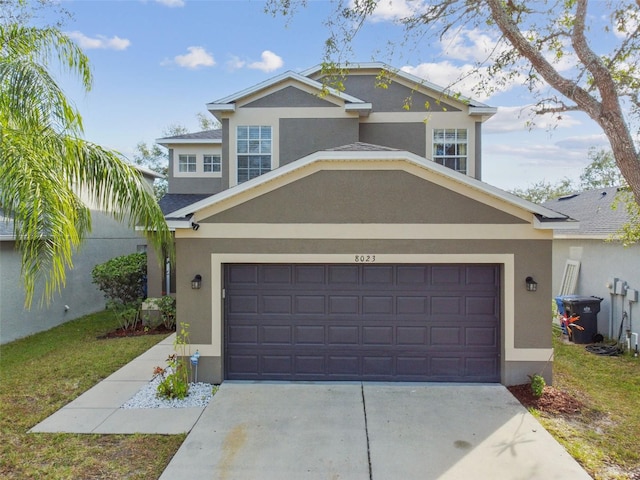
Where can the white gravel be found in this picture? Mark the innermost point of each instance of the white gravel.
(199, 396)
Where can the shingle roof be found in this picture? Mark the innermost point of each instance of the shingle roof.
(215, 134)
(175, 201)
(592, 208)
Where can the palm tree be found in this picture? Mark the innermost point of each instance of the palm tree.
(46, 166)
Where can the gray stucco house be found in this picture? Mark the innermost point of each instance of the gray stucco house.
(108, 238)
(602, 266)
(339, 236)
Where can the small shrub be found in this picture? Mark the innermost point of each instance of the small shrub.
(537, 385)
(174, 381)
(167, 307)
(121, 279)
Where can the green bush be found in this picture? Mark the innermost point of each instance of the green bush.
(537, 385)
(121, 279)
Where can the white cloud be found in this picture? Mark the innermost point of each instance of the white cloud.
(393, 10)
(270, 62)
(196, 58)
(517, 119)
(172, 3)
(235, 63)
(99, 41)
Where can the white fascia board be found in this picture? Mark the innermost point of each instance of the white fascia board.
(165, 142)
(364, 109)
(482, 110)
(7, 238)
(177, 224)
(373, 156)
(566, 225)
(221, 107)
(218, 104)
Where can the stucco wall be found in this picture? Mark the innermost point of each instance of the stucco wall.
(532, 315)
(108, 239)
(601, 261)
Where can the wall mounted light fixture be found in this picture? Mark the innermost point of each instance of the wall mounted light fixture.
(195, 226)
(196, 283)
(532, 285)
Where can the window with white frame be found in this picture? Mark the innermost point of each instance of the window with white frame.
(187, 163)
(450, 148)
(254, 151)
(211, 163)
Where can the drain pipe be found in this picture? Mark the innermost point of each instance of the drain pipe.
(611, 285)
(632, 297)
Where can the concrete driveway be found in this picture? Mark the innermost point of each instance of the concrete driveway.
(368, 431)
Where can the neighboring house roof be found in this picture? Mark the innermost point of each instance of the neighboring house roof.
(205, 136)
(593, 209)
(545, 218)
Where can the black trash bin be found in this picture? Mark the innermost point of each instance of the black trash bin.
(587, 309)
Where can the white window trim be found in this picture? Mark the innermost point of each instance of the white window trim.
(199, 173)
(237, 155)
(467, 143)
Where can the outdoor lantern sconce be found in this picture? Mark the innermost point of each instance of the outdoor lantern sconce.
(196, 283)
(195, 226)
(532, 285)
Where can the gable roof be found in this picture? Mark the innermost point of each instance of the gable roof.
(475, 107)
(374, 154)
(593, 209)
(227, 104)
(204, 136)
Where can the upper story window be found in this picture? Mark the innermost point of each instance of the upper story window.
(450, 148)
(186, 163)
(254, 151)
(211, 163)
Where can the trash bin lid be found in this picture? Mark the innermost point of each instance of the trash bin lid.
(570, 299)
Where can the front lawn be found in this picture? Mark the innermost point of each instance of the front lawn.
(605, 436)
(44, 372)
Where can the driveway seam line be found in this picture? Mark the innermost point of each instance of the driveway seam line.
(366, 430)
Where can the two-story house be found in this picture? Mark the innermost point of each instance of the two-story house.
(345, 234)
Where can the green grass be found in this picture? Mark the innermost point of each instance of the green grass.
(44, 372)
(605, 437)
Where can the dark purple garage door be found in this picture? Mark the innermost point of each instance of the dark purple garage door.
(374, 322)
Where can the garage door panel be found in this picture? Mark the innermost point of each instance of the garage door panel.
(276, 335)
(377, 305)
(310, 304)
(481, 306)
(377, 366)
(481, 337)
(377, 335)
(412, 305)
(243, 335)
(344, 274)
(276, 304)
(243, 304)
(342, 335)
(362, 322)
(411, 336)
(343, 305)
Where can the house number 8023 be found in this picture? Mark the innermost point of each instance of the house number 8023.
(365, 258)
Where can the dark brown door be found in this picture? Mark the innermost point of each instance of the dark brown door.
(362, 322)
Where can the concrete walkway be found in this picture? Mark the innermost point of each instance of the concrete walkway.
(98, 409)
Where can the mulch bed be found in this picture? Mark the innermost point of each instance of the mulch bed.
(137, 331)
(552, 401)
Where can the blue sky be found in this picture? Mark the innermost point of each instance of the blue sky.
(158, 62)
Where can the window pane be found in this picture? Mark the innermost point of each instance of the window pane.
(265, 162)
(243, 132)
(243, 162)
(243, 146)
(462, 134)
(254, 146)
(254, 162)
(265, 132)
(462, 149)
(243, 176)
(254, 133)
(265, 146)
